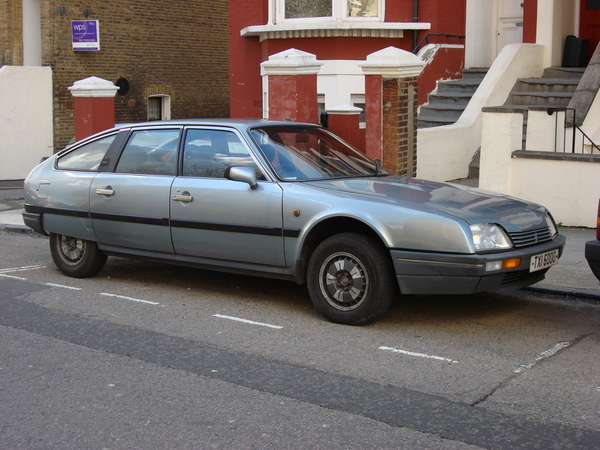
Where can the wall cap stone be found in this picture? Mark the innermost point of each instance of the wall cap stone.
(392, 62)
(93, 87)
(557, 156)
(291, 62)
(344, 110)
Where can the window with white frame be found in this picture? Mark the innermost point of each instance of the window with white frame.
(159, 107)
(358, 101)
(329, 9)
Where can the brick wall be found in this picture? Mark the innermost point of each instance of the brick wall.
(11, 32)
(399, 101)
(177, 48)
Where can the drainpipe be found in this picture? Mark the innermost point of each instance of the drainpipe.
(415, 19)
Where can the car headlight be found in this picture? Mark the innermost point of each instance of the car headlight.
(489, 236)
(551, 225)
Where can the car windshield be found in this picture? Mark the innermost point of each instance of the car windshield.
(309, 153)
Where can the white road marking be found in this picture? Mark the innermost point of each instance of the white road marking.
(63, 286)
(129, 298)
(220, 316)
(21, 269)
(421, 355)
(12, 276)
(547, 354)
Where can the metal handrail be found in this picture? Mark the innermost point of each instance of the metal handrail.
(572, 124)
(426, 39)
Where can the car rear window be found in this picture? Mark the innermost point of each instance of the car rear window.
(86, 158)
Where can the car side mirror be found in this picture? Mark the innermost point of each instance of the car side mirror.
(244, 174)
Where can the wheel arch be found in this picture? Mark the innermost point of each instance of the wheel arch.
(326, 228)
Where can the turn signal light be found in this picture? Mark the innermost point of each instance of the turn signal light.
(511, 263)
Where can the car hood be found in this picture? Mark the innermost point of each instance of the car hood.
(469, 204)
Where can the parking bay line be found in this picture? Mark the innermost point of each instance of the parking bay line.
(251, 322)
(421, 355)
(21, 269)
(12, 276)
(5, 272)
(129, 298)
(63, 286)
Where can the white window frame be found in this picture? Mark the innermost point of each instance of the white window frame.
(339, 13)
(359, 101)
(165, 106)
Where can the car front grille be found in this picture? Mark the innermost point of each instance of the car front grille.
(531, 237)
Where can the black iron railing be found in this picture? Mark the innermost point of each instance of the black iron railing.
(428, 35)
(577, 137)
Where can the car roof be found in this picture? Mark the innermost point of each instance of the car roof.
(240, 124)
(237, 123)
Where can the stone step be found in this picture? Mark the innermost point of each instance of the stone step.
(546, 85)
(459, 86)
(550, 99)
(451, 97)
(563, 72)
(434, 121)
(478, 74)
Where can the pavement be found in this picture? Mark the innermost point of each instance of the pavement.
(572, 275)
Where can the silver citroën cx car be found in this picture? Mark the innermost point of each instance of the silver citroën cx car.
(284, 200)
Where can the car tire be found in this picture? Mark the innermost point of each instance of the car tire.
(76, 257)
(350, 279)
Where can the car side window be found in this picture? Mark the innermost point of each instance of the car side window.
(207, 153)
(150, 152)
(86, 158)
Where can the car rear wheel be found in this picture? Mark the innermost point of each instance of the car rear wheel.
(350, 279)
(76, 257)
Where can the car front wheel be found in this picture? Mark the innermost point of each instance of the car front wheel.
(350, 279)
(76, 257)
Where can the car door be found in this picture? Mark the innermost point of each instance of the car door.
(213, 217)
(129, 207)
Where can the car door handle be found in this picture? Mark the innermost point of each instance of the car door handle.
(182, 198)
(105, 192)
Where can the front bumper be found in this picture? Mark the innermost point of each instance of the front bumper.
(440, 273)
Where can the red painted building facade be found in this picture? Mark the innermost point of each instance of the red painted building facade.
(339, 33)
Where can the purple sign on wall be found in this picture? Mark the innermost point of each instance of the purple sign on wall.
(85, 35)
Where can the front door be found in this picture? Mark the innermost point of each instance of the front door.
(509, 23)
(589, 27)
(220, 219)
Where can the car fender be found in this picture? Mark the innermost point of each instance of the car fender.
(306, 209)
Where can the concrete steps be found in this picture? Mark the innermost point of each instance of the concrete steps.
(553, 90)
(447, 103)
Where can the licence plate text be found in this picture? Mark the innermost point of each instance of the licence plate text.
(543, 260)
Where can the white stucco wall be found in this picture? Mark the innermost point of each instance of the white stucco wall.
(444, 153)
(25, 119)
(568, 185)
(339, 79)
(569, 189)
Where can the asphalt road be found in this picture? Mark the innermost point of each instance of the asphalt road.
(153, 356)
